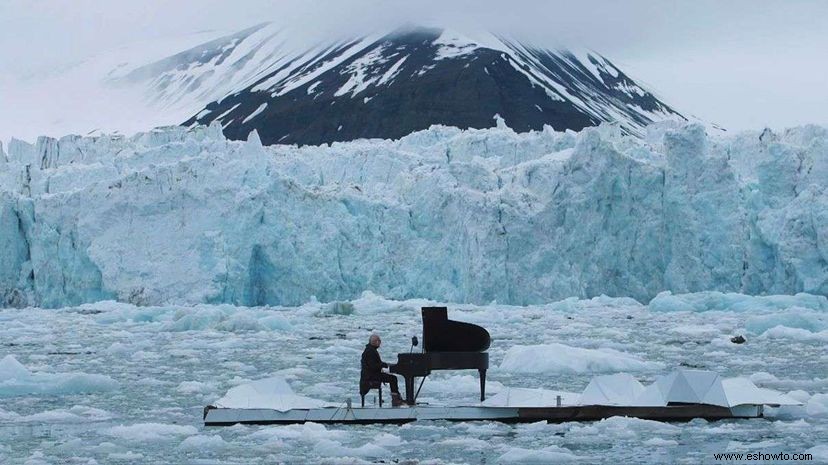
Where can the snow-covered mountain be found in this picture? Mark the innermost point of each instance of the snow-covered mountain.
(273, 79)
(384, 85)
(390, 85)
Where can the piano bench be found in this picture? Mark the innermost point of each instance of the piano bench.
(372, 385)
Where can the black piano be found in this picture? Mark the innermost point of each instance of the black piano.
(447, 345)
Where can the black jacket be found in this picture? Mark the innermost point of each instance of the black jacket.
(372, 366)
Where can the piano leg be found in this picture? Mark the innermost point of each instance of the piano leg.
(482, 385)
(409, 390)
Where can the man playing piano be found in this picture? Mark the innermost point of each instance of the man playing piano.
(371, 373)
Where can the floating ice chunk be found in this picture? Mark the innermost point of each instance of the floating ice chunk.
(268, 393)
(819, 452)
(151, 432)
(527, 397)
(76, 414)
(733, 302)
(37, 458)
(17, 380)
(560, 358)
(762, 377)
(201, 443)
(817, 405)
(195, 387)
(8, 416)
(800, 396)
(201, 317)
(329, 448)
(307, 432)
(786, 412)
(107, 447)
(791, 318)
(700, 331)
(10, 368)
(388, 440)
(126, 456)
(617, 389)
(370, 303)
(338, 308)
(615, 427)
(476, 429)
(784, 332)
(660, 442)
(466, 443)
(551, 454)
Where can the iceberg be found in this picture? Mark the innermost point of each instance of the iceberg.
(17, 380)
(151, 432)
(560, 358)
(550, 454)
(183, 216)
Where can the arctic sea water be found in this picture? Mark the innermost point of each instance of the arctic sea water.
(116, 383)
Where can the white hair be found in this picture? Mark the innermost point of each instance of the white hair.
(373, 338)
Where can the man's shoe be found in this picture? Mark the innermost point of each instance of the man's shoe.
(396, 400)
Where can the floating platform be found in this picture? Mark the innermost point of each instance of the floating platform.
(676, 413)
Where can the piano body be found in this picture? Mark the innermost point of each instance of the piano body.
(447, 345)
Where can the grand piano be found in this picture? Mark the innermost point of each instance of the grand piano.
(447, 345)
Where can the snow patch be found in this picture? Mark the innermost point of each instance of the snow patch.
(255, 113)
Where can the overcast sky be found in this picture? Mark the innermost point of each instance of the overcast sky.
(742, 64)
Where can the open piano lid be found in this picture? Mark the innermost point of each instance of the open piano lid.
(443, 335)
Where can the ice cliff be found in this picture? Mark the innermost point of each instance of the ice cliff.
(184, 215)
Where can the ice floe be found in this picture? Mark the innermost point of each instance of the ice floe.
(17, 380)
(734, 302)
(152, 432)
(551, 454)
(560, 358)
(203, 442)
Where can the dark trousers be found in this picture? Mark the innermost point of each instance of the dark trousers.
(392, 380)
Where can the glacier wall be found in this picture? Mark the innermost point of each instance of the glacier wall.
(184, 215)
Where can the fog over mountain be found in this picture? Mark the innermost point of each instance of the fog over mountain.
(711, 60)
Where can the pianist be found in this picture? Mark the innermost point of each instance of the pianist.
(372, 374)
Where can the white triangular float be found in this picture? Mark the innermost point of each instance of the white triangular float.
(680, 395)
(617, 389)
(684, 387)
